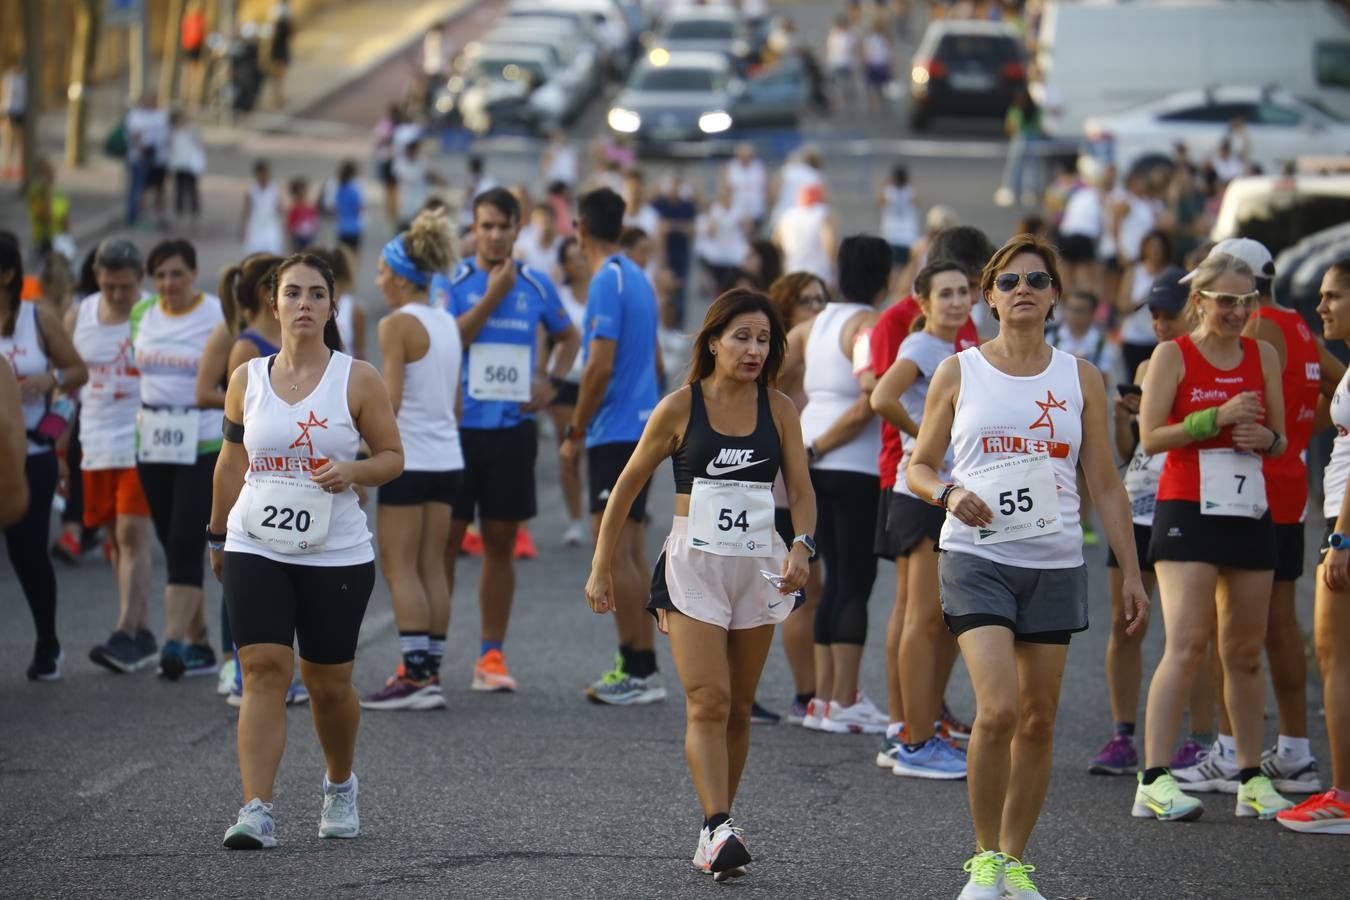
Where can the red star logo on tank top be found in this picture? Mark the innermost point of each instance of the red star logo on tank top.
(305, 440)
(1046, 405)
(13, 356)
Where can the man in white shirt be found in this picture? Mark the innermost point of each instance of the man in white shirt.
(749, 182)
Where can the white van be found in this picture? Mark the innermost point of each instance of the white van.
(1101, 56)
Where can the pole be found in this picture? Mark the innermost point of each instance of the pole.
(32, 56)
(168, 73)
(81, 68)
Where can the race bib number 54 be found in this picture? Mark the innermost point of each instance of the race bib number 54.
(1022, 494)
(731, 518)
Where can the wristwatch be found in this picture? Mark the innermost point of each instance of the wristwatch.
(1338, 541)
(940, 497)
(214, 541)
(806, 541)
(812, 454)
(572, 432)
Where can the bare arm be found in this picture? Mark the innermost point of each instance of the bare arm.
(565, 349)
(886, 395)
(358, 347)
(231, 464)
(594, 382)
(393, 350)
(374, 418)
(1164, 374)
(61, 352)
(796, 475)
(935, 433)
(1126, 408)
(13, 449)
(793, 374)
(214, 368)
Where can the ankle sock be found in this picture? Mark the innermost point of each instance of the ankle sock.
(414, 646)
(1298, 748)
(435, 653)
(1125, 729)
(344, 787)
(1152, 775)
(485, 646)
(803, 699)
(643, 665)
(1248, 774)
(716, 819)
(626, 656)
(1228, 747)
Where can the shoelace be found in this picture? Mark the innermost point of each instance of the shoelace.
(983, 868)
(1015, 874)
(338, 802)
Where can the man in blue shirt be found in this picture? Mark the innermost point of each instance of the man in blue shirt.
(504, 383)
(617, 395)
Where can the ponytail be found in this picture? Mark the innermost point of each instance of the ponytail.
(229, 282)
(332, 338)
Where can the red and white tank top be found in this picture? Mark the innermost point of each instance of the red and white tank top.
(1287, 474)
(999, 417)
(111, 399)
(1204, 385)
(290, 440)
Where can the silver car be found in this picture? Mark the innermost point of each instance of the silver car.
(676, 96)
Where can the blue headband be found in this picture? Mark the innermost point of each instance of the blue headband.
(397, 259)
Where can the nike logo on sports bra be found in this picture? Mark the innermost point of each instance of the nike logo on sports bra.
(731, 461)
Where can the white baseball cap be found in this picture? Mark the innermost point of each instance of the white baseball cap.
(1253, 253)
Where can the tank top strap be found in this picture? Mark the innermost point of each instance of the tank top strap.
(698, 410)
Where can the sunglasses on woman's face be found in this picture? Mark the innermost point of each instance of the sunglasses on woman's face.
(1037, 281)
(1229, 301)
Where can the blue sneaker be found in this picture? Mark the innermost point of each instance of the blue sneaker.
(199, 659)
(890, 750)
(934, 759)
(171, 664)
(297, 693)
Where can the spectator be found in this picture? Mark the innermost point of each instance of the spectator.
(478, 182)
(723, 238)
(559, 199)
(48, 208)
(1082, 226)
(748, 180)
(678, 211)
(414, 183)
(841, 59)
(877, 52)
(1137, 338)
(899, 216)
(147, 130)
(537, 243)
(283, 32)
(637, 211)
(384, 155)
(806, 235)
(558, 162)
(802, 169)
(302, 218)
(1022, 124)
(762, 267)
(260, 228)
(349, 205)
(187, 162)
(192, 41)
(13, 101)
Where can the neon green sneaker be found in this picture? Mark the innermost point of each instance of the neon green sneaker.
(1258, 798)
(612, 677)
(1164, 801)
(1016, 884)
(986, 876)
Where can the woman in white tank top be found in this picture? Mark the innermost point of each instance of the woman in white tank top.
(843, 439)
(1020, 417)
(289, 539)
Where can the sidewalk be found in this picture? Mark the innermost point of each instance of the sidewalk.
(337, 48)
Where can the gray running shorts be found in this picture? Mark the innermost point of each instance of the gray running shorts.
(1038, 605)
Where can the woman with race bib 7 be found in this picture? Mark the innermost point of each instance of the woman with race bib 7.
(1020, 418)
(725, 577)
(1206, 398)
(289, 539)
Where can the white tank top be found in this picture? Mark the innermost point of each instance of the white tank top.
(1000, 416)
(803, 250)
(110, 400)
(426, 415)
(27, 358)
(288, 440)
(1337, 472)
(168, 351)
(899, 218)
(831, 387)
(346, 322)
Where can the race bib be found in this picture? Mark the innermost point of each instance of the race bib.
(1231, 484)
(1022, 494)
(167, 436)
(1141, 484)
(499, 372)
(287, 515)
(731, 518)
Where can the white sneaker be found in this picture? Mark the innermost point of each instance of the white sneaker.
(1017, 883)
(725, 852)
(576, 535)
(855, 719)
(986, 876)
(339, 818)
(225, 680)
(816, 711)
(1210, 774)
(255, 828)
(700, 859)
(872, 711)
(1287, 773)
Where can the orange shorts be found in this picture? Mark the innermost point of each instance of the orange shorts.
(109, 493)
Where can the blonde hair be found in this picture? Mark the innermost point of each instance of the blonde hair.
(430, 241)
(1210, 270)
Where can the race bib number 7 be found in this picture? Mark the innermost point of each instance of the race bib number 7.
(287, 515)
(167, 436)
(1231, 484)
(1022, 494)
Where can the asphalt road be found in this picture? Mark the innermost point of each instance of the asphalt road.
(123, 785)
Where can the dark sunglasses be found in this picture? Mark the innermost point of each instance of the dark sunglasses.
(1037, 281)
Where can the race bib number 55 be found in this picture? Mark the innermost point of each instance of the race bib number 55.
(1021, 492)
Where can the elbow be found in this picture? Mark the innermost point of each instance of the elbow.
(879, 405)
(78, 377)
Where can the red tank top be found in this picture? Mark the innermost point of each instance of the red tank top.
(1287, 474)
(1202, 386)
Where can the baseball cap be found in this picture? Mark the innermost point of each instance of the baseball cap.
(1253, 253)
(1169, 293)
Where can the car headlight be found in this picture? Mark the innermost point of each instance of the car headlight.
(740, 48)
(624, 121)
(714, 122)
(455, 84)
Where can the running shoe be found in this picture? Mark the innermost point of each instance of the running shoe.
(1259, 799)
(254, 830)
(726, 853)
(1187, 755)
(700, 860)
(816, 712)
(618, 688)
(525, 548)
(1016, 883)
(1090, 539)
(890, 749)
(864, 702)
(1323, 814)
(68, 549)
(576, 535)
(339, 818)
(490, 673)
(1165, 801)
(936, 759)
(796, 712)
(986, 876)
(855, 719)
(235, 697)
(198, 660)
(225, 680)
(120, 654)
(473, 541)
(1296, 776)
(1210, 774)
(297, 694)
(761, 716)
(400, 692)
(146, 644)
(171, 660)
(46, 664)
(109, 550)
(1118, 757)
(957, 730)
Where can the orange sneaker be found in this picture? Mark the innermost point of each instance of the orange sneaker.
(67, 548)
(525, 544)
(1322, 814)
(473, 542)
(490, 673)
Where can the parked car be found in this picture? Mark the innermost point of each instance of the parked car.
(965, 68)
(679, 96)
(578, 79)
(1279, 211)
(717, 29)
(493, 91)
(608, 20)
(1280, 127)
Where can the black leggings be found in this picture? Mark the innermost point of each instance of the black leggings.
(73, 514)
(26, 541)
(846, 508)
(180, 506)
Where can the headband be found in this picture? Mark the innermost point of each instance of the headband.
(397, 259)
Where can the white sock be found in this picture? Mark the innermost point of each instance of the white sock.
(1298, 748)
(894, 729)
(330, 788)
(1227, 747)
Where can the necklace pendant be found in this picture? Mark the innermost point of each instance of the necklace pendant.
(295, 387)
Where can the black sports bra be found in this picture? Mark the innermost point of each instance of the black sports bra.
(705, 453)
